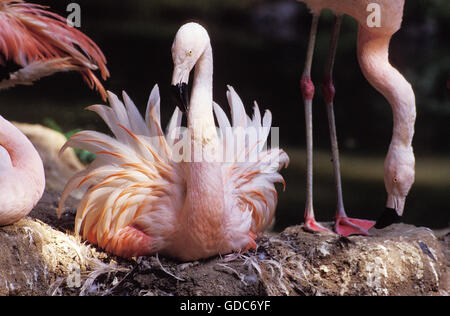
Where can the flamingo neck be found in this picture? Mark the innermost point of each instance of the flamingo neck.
(203, 214)
(373, 55)
(22, 153)
(22, 179)
(203, 210)
(200, 118)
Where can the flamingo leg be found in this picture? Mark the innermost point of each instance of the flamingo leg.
(344, 225)
(307, 87)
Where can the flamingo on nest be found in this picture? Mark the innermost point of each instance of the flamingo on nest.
(188, 193)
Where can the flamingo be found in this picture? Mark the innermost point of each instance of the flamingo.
(34, 43)
(142, 198)
(373, 57)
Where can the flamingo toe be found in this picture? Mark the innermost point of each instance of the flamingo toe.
(346, 226)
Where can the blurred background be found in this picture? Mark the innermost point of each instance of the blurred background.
(259, 48)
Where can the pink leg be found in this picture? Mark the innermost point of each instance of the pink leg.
(307, 87)
(344, 225)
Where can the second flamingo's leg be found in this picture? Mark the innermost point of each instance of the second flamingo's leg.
(308, 93)
(344, 225)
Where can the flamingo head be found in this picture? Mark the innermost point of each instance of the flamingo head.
(398, 176)
(190, 42)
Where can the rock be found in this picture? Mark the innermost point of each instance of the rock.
(398, 260)
(48, 142)
(38, 258)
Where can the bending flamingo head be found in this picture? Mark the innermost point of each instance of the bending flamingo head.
(190, 42)
(398, 176)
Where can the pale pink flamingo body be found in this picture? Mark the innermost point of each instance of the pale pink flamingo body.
(22, 179)
(373, 57)
(34, 43)
(141, 200)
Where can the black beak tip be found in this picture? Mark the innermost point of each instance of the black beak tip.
(388, 217)
(181, 92)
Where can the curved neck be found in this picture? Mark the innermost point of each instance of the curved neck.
(204, 204)
(22, 153)
(22, 180)
(201, 125)
(373, 56)
(200, 106)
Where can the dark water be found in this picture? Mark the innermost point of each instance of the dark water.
(259, 49)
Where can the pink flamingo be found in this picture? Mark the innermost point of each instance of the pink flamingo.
(34, 43)
(373, 53)
(144, 198)
(22, 179)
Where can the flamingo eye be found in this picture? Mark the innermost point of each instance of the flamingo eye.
(395, 180)
(189, 52)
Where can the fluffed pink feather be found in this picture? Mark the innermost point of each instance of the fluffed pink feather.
(136, 191)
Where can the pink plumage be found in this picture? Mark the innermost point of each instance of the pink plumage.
(189, 193)
(373, 56)
(41, 43)
(136, 192)
(22, 179)
(37, 43)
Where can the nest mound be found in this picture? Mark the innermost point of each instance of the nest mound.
(39, 255)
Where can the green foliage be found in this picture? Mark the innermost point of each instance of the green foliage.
(51, 123)
(84, 156)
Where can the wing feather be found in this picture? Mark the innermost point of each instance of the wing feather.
(250, 183)
(132, 179)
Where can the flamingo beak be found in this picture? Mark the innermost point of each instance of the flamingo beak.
(388, 217)
(393, 212)
(180, 80)
(396, 202)
(181, 92)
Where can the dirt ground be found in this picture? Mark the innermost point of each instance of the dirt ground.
(40, 255)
